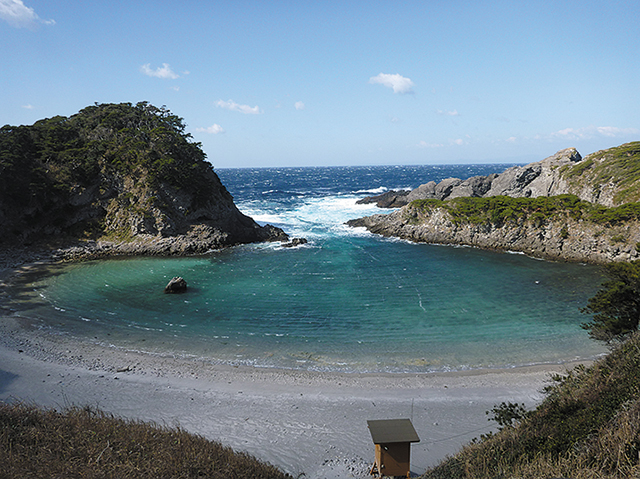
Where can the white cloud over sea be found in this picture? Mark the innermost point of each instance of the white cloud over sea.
(17, 14)
(594, 131)
(397, 82)
(164, 72)
(424, 144)
(213, 129)
(233, 106)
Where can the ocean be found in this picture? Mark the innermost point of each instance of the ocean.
(347, 301)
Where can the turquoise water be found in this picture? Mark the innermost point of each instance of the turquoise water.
(347, 301)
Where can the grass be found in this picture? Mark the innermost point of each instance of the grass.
(588, 426)
(619, 166)
(87, 443)
(500, 210)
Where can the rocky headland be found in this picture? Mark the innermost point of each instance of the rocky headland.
(564, 207)
(115, 179)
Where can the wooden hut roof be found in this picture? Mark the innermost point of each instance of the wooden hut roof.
(386, 431)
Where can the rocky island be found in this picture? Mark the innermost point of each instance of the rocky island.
(564, 207)
(116, 179)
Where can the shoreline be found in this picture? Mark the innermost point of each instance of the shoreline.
(300, 421)
(304, 422)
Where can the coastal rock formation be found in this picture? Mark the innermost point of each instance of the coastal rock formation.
(608, 178)
(541, 178)
(295, 242)
(388, 199)
(125, 179)
(563, 239)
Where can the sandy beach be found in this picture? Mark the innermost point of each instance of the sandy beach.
(302, 422)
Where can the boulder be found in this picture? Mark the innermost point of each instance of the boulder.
(176, 285)
(444, 188)
(423, 192)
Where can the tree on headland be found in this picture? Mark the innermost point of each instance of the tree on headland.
(616, 306)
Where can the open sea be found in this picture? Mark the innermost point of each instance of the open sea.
(346, 301)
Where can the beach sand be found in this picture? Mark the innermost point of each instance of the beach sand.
(302, 422)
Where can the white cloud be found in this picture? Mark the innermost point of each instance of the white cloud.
(448, 113)
(424, 144)
(511, 139)
(399, 83)
(233, 106)
(28, 106)
(459, 141)
(164, 72)
(213, 129)
(589, 132)
(19, 15)
(299, 105)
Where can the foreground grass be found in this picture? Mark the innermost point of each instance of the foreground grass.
(587, 427)
(85, 443)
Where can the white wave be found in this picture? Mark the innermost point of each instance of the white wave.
(373, 191)
(313, 218)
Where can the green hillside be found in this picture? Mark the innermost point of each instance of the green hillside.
(119, 170)
(617, 168)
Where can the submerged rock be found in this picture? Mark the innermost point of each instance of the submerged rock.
(176, 285)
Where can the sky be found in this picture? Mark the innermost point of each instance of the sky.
(323, 83)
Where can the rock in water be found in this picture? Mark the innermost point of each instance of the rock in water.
(295, 242)
(176, 285)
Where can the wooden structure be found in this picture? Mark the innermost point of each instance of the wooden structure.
(392, 438)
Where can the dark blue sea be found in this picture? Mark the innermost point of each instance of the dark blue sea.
(346, 301)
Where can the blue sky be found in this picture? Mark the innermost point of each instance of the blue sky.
(296, 83)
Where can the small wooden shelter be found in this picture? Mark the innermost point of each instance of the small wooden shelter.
(392, 438)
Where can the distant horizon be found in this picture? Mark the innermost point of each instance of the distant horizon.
(399, 165)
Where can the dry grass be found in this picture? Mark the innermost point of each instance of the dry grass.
(86, 443)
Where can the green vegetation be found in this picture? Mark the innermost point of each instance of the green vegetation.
(45, 168)
(616, 306)
(619, 166)
(499, 210)
(588, 426)
(88, 443)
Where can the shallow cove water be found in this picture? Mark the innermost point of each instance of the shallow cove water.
(346, 301)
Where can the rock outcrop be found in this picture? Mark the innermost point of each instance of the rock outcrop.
(563, 239)
(541, 178)
(122, 178)
(608, 177)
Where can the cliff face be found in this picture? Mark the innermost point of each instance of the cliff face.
(563, 239)
(608, 178)
(125, 175)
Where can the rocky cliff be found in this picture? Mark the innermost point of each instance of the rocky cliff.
(584, 209)
(608, 177)
(124, 178)
(563, 238)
